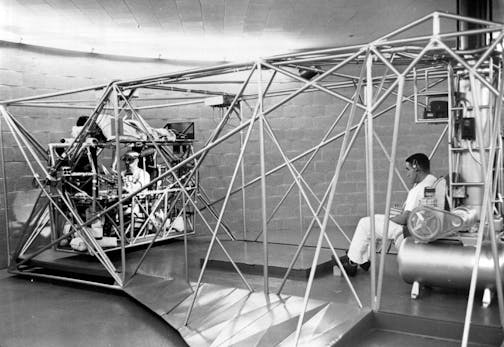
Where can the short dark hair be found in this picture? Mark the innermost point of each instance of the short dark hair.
(94, 130)
(420, 160)
(81, 120)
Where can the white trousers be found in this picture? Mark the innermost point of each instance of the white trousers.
(359, 250)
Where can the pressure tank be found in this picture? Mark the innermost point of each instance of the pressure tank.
(447, 264)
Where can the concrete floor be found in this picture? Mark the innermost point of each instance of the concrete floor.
(45, 313)
(53, 314)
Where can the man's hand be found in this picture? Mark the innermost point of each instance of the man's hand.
(401, 219)
(394, 211)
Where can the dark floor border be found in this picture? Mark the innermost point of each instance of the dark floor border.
(420, 326)
(273, 271)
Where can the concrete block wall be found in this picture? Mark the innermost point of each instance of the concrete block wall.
(298, 125)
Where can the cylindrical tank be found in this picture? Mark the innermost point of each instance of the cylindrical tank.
(446, 264)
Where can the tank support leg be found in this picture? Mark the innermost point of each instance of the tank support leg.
(415, 290)
(487, 297)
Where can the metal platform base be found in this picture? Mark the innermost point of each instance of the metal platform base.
(392, 329)
(249, 257)
(235, 317)
(224, 315)
(72, 265)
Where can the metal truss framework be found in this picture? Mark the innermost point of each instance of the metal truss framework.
(387, 65)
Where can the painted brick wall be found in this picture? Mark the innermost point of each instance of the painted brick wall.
(298, 125)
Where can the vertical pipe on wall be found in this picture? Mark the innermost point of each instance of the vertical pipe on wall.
(5, 200)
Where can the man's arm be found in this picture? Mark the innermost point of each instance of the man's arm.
(144, 178)
(401, 219)
(410, 203)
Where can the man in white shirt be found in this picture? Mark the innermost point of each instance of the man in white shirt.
(133, 177)
(418, 177)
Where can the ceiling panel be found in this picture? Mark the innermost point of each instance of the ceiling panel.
(295, 24)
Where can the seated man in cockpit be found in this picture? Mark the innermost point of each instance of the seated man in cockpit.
(133, 177)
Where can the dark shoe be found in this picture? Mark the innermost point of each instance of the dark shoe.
(350, 269)
(344, 259)
(349, 266)
(365, 266)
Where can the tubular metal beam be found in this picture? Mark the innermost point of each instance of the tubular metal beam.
(370, 173)
(315, 148)
(52, 95)
(214, 233)
(242, 174)
(264, 215)
(5, 191)
(298, 180)
(305, 166)
(393, 52)
(332, 191)
(392, 168)
(117, 122)
(486, 211)
(42, 187)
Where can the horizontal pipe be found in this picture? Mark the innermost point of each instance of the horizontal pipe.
(68, 279)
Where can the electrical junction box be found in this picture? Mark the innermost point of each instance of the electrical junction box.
(468, 128)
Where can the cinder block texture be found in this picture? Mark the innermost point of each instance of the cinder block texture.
(299, 126)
